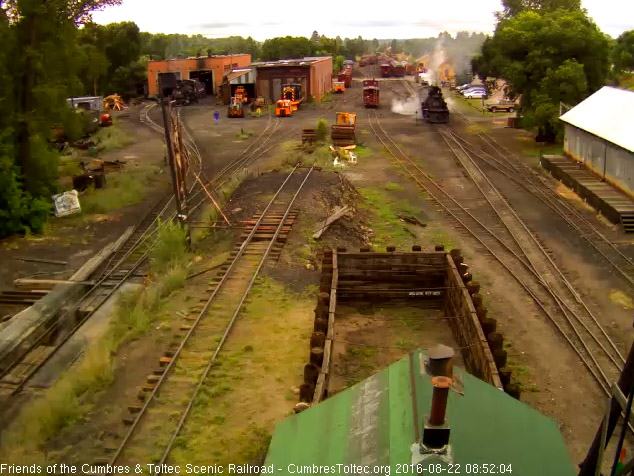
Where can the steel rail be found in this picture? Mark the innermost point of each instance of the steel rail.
(194, 325)
(561, 302)
(211, 361)
(571, 289)
(513, 274)
(531, 182)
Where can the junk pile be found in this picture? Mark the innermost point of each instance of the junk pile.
(113, 103)
(343, 156)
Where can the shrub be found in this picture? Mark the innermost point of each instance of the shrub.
(170, 249)
(322, 129)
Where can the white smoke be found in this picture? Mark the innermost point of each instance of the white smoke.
(438, 57)
(406, 107)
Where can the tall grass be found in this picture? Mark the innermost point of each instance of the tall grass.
(121, 191)
(69, 398)
(170, 249)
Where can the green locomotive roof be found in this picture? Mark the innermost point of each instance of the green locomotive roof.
(375, 423)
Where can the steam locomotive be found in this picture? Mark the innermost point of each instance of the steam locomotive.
(434, 107)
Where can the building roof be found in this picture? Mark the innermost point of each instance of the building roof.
(308, 60)
(373, 423)
(608, 114)
(236, 73)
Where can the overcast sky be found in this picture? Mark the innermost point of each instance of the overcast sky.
(263, 19)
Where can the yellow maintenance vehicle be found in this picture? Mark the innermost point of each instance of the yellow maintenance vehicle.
(283, 108)
(338, 86)
(236, 107)
(241, 94)
(293, 93)
(343, 130)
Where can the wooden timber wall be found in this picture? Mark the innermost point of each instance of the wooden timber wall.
(466, 327)
(436, 280)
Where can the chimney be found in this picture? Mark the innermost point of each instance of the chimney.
(440, 362)
(436, 429)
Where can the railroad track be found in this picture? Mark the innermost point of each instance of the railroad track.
(510, 242)
(506, 163)
(186, 368)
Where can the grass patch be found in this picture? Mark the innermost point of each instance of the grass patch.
(362, 151)
(170, 249)
(69, 166)
(70, 397)
(393, 186)
(388, 228)
(113, 137)
(243, 134)
(621, 299)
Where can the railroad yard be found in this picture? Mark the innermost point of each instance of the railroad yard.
(221, 358)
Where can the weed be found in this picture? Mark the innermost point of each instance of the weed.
(122, 190)
(114, 137)
(69, 167)
(362, 151)
(387, 226)
(393, 186)
(243, 134)
(170, 248)
(322, 129)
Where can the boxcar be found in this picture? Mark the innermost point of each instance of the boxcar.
(370, 93)
(386, 70)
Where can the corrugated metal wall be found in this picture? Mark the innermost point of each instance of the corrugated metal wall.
(605, 159)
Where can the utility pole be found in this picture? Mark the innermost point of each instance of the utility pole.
(176, 179)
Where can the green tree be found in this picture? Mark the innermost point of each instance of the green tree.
(511, 8)
(40, 41)
(286, 47)
(623, 52)
(542, 55)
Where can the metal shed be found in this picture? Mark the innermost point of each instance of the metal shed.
(598, 133)
(378, 422)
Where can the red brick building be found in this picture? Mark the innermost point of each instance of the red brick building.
(210, 70)
(313, 73)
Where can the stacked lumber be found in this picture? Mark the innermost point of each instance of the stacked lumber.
(342, 135)
(309, 135)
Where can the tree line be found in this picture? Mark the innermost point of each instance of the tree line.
(547, 50)
(551, 52)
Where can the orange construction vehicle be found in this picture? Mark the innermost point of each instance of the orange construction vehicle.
(236, 107)
(293, 93)
(241, 94)
(343, 130)
(338, 86)
(283, 108)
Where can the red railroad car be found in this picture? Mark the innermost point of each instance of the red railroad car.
(370, 93)
(398, 69)
(386, 70)
(346, 77)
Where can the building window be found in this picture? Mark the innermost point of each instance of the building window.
(234, 65)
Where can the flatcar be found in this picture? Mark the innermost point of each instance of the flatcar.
(434, 107)
(370, 93)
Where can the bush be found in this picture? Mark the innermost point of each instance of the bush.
(170, 249)
(322, 129)
(19, 211)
